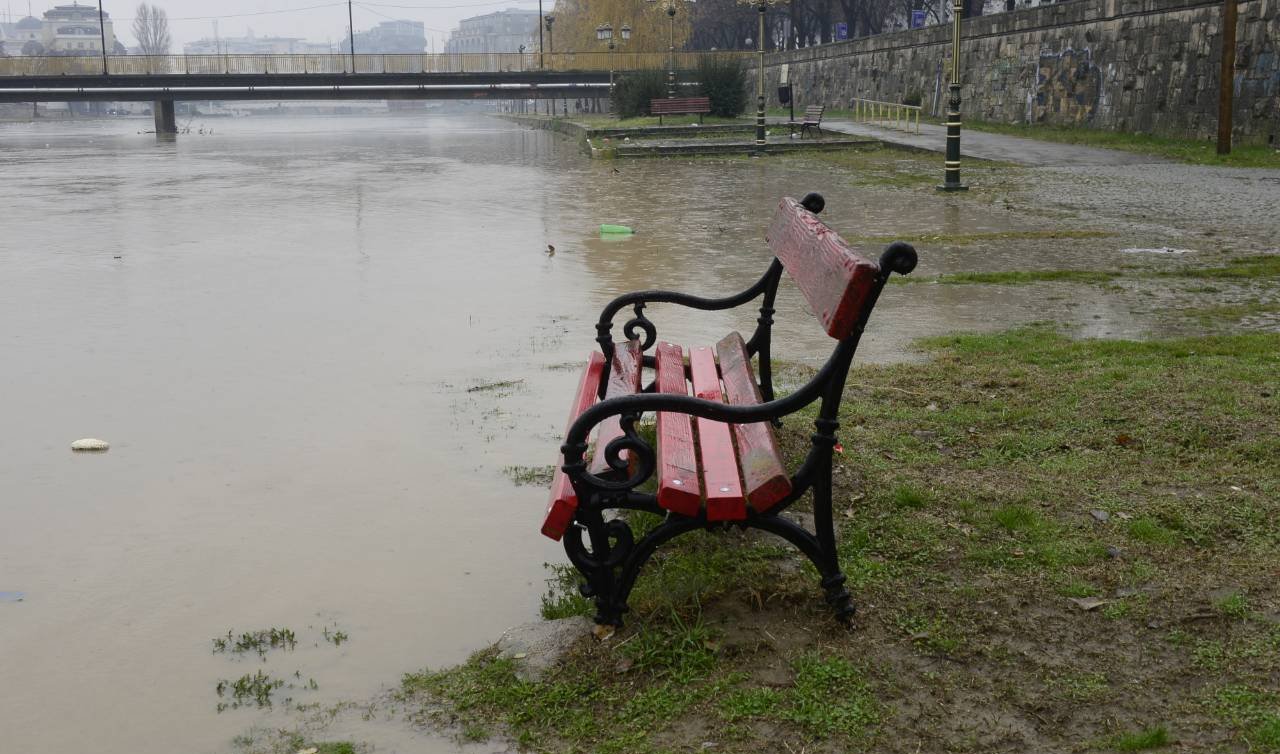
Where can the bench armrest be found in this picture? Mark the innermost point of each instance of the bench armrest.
(640, 299)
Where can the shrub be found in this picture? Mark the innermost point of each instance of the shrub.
(913, 97)
(724, 81)
(632, 92)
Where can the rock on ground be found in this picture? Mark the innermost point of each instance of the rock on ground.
(538, 646)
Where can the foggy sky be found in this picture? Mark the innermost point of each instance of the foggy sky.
(189, 19)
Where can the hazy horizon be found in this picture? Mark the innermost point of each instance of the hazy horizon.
(191, 20)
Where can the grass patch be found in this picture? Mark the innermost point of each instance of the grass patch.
(1192, 151)
(530, 476)
(963, 504)
(1148, 738)
(1023, 277)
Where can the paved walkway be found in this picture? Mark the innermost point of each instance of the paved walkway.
(999, 147)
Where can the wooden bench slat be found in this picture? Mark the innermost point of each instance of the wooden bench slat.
(763, 474)
(719, 461)
(564, 501)
(678, 487)
(833, 278)
(624, 379)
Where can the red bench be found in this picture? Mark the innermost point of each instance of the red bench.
(717, 461)
(680, 106)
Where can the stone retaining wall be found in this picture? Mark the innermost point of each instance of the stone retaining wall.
(1150, 66)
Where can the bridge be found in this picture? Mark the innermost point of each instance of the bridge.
(166, 79)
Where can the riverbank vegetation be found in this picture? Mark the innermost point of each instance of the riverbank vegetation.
(1056, 545)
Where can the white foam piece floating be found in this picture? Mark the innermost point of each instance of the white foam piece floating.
(90, 445)
(1161, 250)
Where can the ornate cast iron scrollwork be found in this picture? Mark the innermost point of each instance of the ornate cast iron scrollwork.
(642, 322)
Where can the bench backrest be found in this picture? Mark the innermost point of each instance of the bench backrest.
(680, 105)
(834, 279)
(814, 112)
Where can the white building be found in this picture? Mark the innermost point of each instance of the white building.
(503, 31)
(254, 45)
(65, 30)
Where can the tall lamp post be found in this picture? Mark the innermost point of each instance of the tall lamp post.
(604, 33)
(669, 7)
(102, 32)
(762, 6)
(951, 167)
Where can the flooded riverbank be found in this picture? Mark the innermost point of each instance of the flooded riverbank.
(287, 330)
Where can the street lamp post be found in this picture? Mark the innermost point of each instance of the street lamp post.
(669, 7)
(551, 47)
(540, 17)
(762, 6)
(604, 33)
(951, 167)
(102, 32)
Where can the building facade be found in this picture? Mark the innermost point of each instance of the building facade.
(504, 31)
(390, 38)
(64, 30)
(250, 44)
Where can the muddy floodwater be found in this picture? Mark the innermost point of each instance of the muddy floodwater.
(292, 332)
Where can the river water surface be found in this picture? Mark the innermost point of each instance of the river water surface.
(288, 331)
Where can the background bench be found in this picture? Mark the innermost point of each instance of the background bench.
(716, 459)
(812, 120)
(680, 106)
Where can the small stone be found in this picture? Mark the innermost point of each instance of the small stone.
(1114, 552)
(1100, 516)
(90, 445)
(538, 646)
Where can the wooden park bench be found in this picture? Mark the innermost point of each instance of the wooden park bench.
(812, 120)
(680, 106)
(717, 462)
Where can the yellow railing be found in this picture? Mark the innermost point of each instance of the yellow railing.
(890, 114)
(282, 64)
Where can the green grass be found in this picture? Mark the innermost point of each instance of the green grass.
(1183, 150)
(962, 501)
(1148, 738)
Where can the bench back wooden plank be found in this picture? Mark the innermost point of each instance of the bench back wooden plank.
(814, 112)
(763, 474)
(678, 485)
(564, 502)
(624, 379)
(680, 105)
(725, 501)
(833, 278)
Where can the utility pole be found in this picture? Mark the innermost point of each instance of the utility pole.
(351, 32)
(1226, 85)
(101, 31)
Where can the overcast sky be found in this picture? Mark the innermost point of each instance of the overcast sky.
(315, 20)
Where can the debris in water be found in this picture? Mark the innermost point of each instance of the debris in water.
(11, 596)
(1161, 250)
(618, 229)
(90, 445)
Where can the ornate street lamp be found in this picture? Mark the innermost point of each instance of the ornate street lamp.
(762, 6)
(669, 7)
(604, 33)
(951, 167)
(551, 40)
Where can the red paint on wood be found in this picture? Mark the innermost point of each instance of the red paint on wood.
(678, 489)
(624, 379)
(673, 105)
(719, 462)
(764, 477)
(833, 278)
(564, 501)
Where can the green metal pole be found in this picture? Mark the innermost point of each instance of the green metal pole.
(760, 134)
(951, 167)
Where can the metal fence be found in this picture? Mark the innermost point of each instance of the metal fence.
(889, 114)
(284, 64)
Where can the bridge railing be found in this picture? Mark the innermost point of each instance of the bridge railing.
(139, 65)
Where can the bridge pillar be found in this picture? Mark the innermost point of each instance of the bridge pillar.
(166, 119)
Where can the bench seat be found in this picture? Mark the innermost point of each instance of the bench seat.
(703, 466)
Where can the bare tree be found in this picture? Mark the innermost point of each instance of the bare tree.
(151, 27)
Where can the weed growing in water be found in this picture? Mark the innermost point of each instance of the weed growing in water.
(335, 637)
(255, 689)
(256, 641)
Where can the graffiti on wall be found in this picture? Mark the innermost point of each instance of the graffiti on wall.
(1068, 87)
